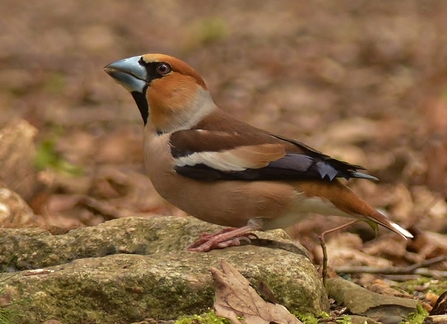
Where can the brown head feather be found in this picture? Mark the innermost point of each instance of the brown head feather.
(178, 66)
(173, 97)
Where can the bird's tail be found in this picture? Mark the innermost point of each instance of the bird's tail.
(380, 219)
(358, 208)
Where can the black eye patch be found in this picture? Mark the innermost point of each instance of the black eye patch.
(155, 70)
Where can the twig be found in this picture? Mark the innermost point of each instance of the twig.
(418, 268)
(427, 263)
(323, 246)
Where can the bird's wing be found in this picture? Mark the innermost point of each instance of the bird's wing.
(221, 155)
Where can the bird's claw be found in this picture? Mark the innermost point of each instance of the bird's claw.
(208, 242)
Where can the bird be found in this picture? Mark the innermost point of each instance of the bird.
(225, 171)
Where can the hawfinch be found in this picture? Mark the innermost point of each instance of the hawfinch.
(224, 171)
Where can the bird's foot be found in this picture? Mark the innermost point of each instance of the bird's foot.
(225, 238)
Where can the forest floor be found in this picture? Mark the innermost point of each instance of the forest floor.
(365, 82)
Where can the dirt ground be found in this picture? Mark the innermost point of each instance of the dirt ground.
(363, 81)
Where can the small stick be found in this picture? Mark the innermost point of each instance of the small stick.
(323, 246)
(418, 268)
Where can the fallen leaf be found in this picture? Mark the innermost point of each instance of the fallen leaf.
(383, 288)
(346, 248)
(440, 307)
(236, 298)
(429, 245)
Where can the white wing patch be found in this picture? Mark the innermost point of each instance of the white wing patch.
(238, 159)
(216, 160)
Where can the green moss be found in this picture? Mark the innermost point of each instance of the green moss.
(207, 318)
(310, 318)
(289, 294)
(48, 157)
(78, 298)
(8, 311)
(416, 317)
(7, 316)
(307, 318)
(423, 285)
(346, 319)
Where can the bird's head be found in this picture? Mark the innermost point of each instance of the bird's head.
(168, 92)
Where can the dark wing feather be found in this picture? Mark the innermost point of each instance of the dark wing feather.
(291, 167)
(197, 151)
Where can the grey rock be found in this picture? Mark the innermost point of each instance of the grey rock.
(134, 268)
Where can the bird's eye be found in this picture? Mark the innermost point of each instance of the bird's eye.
(163, 68)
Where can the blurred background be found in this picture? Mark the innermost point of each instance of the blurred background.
(363, 81)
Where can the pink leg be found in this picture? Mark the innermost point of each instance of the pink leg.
(226, 238)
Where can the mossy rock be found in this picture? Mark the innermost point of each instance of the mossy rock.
(148, 274)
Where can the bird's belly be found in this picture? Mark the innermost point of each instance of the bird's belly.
(228, 203)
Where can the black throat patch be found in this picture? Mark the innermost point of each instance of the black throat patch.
(140, 98)
(143, 106)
